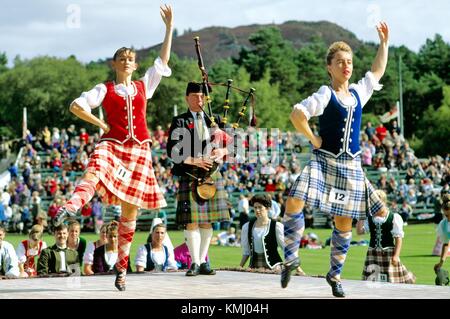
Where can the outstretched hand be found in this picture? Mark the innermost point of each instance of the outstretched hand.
(166, 15)
(383, 32)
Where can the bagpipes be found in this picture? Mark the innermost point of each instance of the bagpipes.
(205, 184)
(206, 85)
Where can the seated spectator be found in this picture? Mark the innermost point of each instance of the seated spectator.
(86, 217)
(183, 257)
(405, 212)
(313, 242)
(105, 256)
(383, 255)
(88, 257)
(59, 259)
(30, 249)
(41, 219)
(9, 263)
(154, 255)
(260, 237)
(225, 238)
(74, 241)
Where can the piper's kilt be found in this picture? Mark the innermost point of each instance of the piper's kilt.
(378, 267)
(126, 174)
(343, 174)
(193, 209)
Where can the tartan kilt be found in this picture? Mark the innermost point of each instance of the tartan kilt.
(126, 174)
(378, 267)
(192, 209)
(260, 261)
(324, 172)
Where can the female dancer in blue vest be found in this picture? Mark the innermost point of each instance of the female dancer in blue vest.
(333, 181)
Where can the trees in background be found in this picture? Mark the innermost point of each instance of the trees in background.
(281, 74)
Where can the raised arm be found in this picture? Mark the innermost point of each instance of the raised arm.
(167, 16)
(380, 62)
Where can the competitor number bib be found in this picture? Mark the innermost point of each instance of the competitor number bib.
(338, 196)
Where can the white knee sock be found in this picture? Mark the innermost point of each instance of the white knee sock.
(193, 242)
(206, 235)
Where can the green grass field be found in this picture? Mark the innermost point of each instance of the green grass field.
(416, 252)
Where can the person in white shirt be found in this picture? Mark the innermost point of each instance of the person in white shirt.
(154, 255)
(261, 237)
(120, 168)
(9, 263)
(243, 209)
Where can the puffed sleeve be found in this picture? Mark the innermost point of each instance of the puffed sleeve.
(244, 240)
(366, 86)
(397, 226)
(316, 103)
(141, 257)
(153, 76)
(91, 99)
(279, 230)
(20, 251)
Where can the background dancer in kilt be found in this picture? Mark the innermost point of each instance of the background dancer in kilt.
(120, 168)
(333, 181)
(189, 140)
(383, 255)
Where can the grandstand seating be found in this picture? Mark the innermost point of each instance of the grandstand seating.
(421, 212)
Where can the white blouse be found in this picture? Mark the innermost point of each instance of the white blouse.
(316, 103)
(91, 99)
(158, 258)
(397, 225)
(258, 233)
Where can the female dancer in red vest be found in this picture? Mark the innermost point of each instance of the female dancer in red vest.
(120, 168)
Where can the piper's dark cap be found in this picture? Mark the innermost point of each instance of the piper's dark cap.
(194, 87)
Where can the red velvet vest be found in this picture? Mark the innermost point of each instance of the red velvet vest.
(126, 115)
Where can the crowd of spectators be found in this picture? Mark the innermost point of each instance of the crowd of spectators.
(50, 179)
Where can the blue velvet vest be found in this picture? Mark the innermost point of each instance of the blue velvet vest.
(340, 126)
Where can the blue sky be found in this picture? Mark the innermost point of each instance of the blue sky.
(94, 29)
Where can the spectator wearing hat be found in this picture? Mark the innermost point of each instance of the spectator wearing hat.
(155, 255)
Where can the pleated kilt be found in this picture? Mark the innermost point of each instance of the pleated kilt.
(378, 267)
(325, 173)
(260, 261)
(193, 209)
(126, 174)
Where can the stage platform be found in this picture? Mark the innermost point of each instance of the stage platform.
(224, 285)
